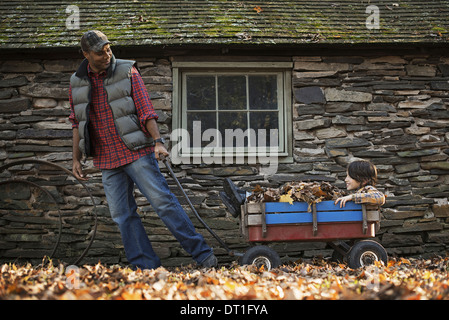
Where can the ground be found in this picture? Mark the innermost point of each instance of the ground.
(316, 279)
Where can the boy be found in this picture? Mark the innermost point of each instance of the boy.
(362, 176)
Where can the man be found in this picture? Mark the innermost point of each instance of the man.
(114, 122)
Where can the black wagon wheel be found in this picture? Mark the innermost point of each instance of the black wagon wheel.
(261, 256)
(51, 197)
(69, 173)
(365, 253)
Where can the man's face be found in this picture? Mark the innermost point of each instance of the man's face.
(99, 61)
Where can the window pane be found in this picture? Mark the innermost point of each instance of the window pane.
(200, 92)
(231, 92)
(197, 123)
(233, 120)
(263, 92)
(267, 121)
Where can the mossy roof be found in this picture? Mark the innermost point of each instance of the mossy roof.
(41, 24)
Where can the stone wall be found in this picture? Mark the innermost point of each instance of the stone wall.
(392, 110)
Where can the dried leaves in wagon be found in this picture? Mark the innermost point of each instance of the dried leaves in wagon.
(310, 192)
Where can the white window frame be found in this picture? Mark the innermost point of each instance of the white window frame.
(283, 71)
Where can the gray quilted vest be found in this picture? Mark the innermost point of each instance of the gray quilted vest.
(118, 87)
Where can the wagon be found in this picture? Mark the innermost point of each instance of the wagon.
(348, 230)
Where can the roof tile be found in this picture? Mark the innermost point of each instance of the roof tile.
(36, 24)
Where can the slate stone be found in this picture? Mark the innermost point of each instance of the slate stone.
(225, 171)
(439, 114)
(7, 93)
(439, 237)
(333, 94)
(444, 68)
(63, 65)
(302, 177)
(339, 119)
(26, 119)
(311, 109)
(441, 210)
(440, 165)
(373, 154)
(407, 200)
(381, 107)
(53, 77)
(415, 104)
(410, 167)
(14, 105)
(8, 135)
(43, 90)
(417, 153)
(336, 152)
(15, 191)
(329, 133)
(313, 124)
(346, 143)
(294, 168)
(43, 134)
(309, 95)
(399, 86)
(396, 140)
(419, 227)
(340, 107)
(17, 66)
(421, 71)
(399, 182)
(439, 85)
(39, 148)
(318, 66)
(395, 240)
(13, 82)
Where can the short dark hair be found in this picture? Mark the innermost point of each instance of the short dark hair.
(363, 171)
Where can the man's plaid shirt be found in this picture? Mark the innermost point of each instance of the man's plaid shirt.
(109, 150)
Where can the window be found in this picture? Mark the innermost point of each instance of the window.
(232, 110)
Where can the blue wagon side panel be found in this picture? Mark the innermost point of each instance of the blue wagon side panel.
(327, 211)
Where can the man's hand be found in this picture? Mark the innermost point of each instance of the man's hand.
(343, 200)
(77, 170)
(159, 149)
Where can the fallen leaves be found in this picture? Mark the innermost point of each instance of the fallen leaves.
(311, 280)
(258, 9)
(310, 192)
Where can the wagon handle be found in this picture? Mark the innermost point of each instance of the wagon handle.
(165, 160)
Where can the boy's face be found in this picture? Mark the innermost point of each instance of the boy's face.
(351, 184)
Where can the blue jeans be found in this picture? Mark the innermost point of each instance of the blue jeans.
(145, 174)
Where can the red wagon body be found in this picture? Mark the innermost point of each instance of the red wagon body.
(326, 232)
(324, 221)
